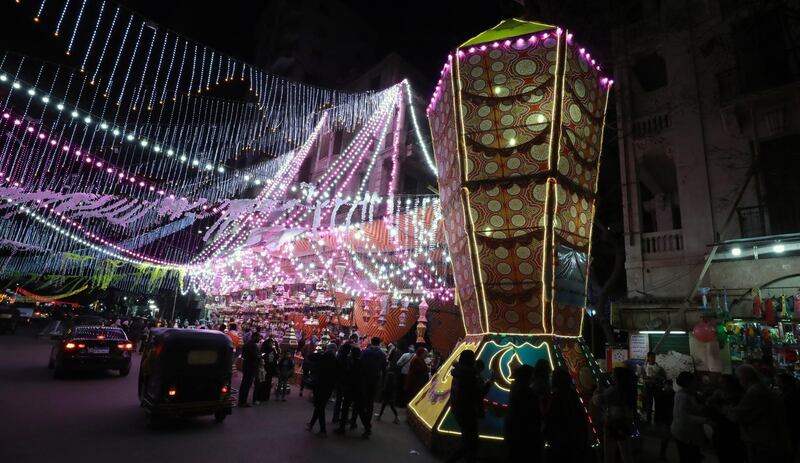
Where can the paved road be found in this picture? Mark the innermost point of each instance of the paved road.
(88, 418)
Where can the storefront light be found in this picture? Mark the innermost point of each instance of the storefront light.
(778, 248)
(736, 252)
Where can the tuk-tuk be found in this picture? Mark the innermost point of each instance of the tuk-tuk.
(186, 373)
(9, 318)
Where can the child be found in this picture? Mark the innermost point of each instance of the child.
(285, 372)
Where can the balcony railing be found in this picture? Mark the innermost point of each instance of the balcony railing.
(664, 243)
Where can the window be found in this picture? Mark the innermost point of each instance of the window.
(201, 357)
(779, 164)
(651, 71)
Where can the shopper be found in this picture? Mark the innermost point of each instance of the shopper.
(565, 427)
(653, 377)
(790, 393)
(389, 392)
(523, 418)
(323, 372)
(352, 391)
(285, 371)
(373, 363)
(466, 402)
(687, 419)
(342, 358)
(418, 373)
(269, 352)
(403, 365)
(726, 438)
(761, 418)
(619, 404)
(249, 369)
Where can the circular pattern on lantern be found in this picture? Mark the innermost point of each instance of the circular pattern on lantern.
(479, 84)
(504, 107)
(534, 318)
(539, 192)
(515, 204)
(514, 190)
(500, 79)
(490, 168)
(523, 252)
(506, 284)
(493, 192)
(497, 66)
(511, 316)
(571, 227)
(573, 211)
(575, 113)
(484, 111)
(580, 89)
(525, 268)
(507, 119)
(501, 91)
(485, 124)
(496, 221)
(508, 134)
(494, 205)
(503, 268)
(476, 71)
(518, 220)
(513, 163)
(495, 54)
(540, 152)
(487, 139)
(474, 59)
(525, 67)
(501, 253)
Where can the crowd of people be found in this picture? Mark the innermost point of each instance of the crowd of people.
(742, 418)
(748, 416)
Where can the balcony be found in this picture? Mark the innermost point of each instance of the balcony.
(664, 244)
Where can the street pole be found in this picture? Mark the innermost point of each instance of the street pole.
(174, 300)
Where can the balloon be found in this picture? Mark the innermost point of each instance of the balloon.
(704, 332)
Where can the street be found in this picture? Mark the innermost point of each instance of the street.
(96, 417)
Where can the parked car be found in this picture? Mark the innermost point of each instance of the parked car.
(91, 348)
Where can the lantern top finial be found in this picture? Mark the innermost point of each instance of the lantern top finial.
(507, 29)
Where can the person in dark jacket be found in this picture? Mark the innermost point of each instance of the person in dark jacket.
(790, 393)
(565, 425)
(373, 362)
(249, 368)
(761, 417)
(418, 373)
(352, 392)
(341, 359)
(466, 400)
(523, 418)
(323, 372)
(270, 355)
(727, 439)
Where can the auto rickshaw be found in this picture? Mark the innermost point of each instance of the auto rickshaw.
(186, 373)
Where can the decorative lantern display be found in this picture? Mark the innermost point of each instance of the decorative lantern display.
(422, 321)
(517, 125)
(403, 314)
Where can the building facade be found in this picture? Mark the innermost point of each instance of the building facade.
(708, 103)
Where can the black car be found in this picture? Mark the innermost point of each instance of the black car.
(9, 318)
(92, 348)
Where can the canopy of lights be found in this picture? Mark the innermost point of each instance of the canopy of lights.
(133, 167)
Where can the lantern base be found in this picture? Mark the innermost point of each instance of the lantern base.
(430, 413)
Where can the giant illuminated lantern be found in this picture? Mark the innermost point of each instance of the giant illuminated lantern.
(517, 126)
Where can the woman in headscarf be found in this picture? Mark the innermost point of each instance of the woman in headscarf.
(418, 373)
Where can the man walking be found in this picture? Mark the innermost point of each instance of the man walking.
(373, 362)
(249, 368)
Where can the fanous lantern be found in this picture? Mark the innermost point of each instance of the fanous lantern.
(517, 126)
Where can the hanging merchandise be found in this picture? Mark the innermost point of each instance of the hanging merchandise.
(769, 311)
(757, 304)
